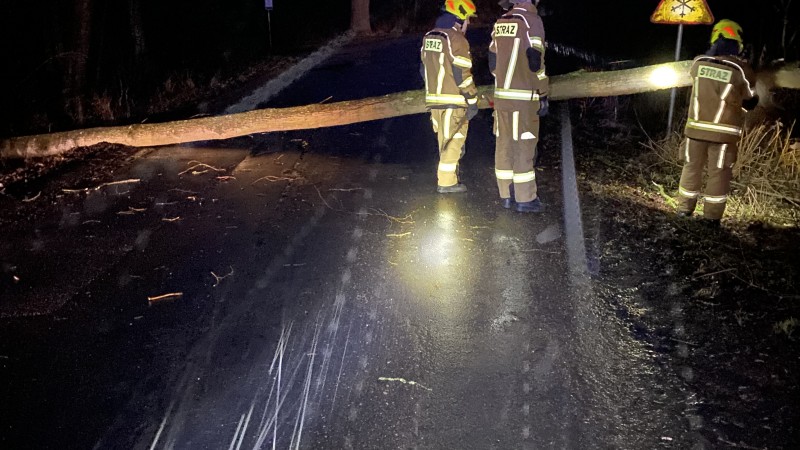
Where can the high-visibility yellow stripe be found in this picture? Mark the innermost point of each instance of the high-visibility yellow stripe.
(515, 124)
(715, 198)
(448, 117)
(687, 193)
(515, 94)
(448, 167)
(526, 177)
(460, 61)
(465, 83)
(504, 174)
(708, 126)
(446, 99)
(512, 64)
(721, 159)
(440, 81)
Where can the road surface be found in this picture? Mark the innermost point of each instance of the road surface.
(325, 297)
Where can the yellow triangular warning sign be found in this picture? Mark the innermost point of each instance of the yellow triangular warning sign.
(683, 12)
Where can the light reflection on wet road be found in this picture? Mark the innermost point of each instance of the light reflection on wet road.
(363, 310)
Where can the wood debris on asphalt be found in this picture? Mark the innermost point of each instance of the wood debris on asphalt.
(160, 298)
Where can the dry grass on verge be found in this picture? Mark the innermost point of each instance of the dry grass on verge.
(766, 185)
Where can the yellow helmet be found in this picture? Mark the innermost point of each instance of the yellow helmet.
(727, 29)
(460, 8)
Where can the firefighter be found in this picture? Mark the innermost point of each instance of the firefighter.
(724, 87)
(516, 59)
(451, 94)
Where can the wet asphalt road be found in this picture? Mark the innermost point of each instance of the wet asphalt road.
(350, 306)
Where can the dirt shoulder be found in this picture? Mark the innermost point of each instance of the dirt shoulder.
(719, 307)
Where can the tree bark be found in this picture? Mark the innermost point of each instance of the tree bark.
(574, 85)
(82, 44)
(359, 17)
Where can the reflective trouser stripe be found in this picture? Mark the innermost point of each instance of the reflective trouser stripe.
(465, 83)
(524, 177)
(504, 174)
(686, 150)
(687, 193)
(448, 117)
(721, 159)
(515, 125)
(716, 198)
(448, 167)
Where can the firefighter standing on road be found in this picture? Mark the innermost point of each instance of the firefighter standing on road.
(451, 94)
(724, 86)
(516, 59)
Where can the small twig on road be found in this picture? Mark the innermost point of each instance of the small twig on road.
(404, 381)
(197, 165)
(330, 97)
(399, 235)
(171, 219)
(131, 211)
(28, 200)
(407, 220)
(705, 275)
(159, 298)
(97, 188)
(346, 190)
(87, 222)
(531, 250)
(219, 278)
(226, 178)
(115, 183)
(184, 191)
(273, 178)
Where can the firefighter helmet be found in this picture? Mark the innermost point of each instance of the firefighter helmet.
(460, 8)
(727, 29)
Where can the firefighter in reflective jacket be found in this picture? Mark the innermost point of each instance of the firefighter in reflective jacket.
(450, 93)
(724, 86)
(516, 59)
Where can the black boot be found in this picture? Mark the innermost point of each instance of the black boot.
(534, 206)
(506, 203)
(456, 188)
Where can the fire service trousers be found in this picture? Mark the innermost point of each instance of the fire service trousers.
(450, 126)
(517, 136)
(720, 159)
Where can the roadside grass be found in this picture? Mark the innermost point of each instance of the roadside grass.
(766, 185)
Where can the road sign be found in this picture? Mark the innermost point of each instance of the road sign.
(682, 12)
(268, 4)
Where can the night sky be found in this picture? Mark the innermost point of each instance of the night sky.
(132, 47)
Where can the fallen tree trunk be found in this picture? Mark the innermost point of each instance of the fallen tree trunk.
(574, 85)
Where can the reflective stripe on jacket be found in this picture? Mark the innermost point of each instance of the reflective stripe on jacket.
(447, 69)
(514, 34)
(720, 85)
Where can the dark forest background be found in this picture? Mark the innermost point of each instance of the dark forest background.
(76, 63)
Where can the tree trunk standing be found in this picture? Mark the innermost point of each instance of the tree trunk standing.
(359, 17)
(137, 32)
(80, 63)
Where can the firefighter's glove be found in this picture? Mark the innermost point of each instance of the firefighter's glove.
(544, 106)
(472, 110)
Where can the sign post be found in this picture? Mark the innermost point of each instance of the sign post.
(268, 7)
(680, 12)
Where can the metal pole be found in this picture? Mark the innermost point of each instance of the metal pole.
(269, 24)
(674, 90)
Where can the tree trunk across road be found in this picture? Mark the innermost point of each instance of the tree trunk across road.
(574, 85)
